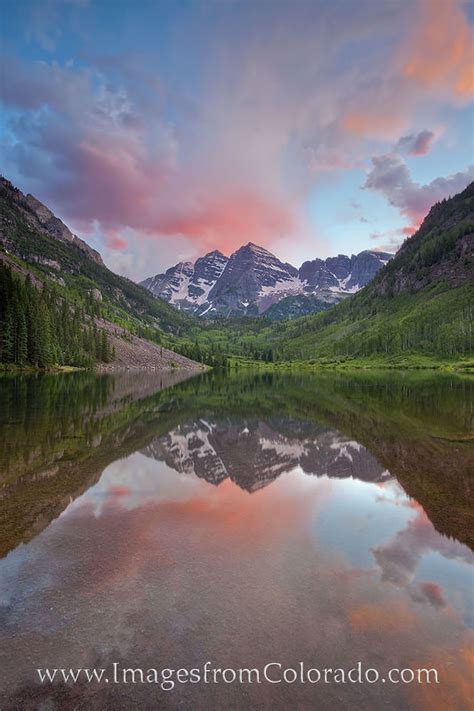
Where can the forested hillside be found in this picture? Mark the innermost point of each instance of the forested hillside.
(39, 328)
(75, 270)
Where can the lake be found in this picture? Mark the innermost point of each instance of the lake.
(286, 524)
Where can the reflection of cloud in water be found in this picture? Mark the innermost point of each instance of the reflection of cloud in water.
(167, 559)
(398, 559)
(365, 517)
(140, 479)
(432, 592)
(148, 564)
(402, 562)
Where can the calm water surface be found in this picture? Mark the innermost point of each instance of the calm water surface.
(240, 519)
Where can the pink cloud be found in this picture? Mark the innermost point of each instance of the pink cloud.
(432, 64)
(122, 173)
(441, 49)
(377, 124)
(115, 241)
(231, 219)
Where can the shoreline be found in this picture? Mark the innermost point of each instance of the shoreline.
(406, 365)
(99, 369)
(463, 367)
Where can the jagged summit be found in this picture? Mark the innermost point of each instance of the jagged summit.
(187, 284)
(253, 279)
(215, 253)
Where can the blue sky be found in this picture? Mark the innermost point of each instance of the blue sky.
(162, 130)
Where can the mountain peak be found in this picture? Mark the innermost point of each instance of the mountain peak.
(254, 251)
(214, 253)
(255, 248)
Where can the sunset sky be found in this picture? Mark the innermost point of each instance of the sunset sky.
(161, 130)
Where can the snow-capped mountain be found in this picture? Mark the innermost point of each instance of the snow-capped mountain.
(252, 280)
(253, 452)
(187, 284)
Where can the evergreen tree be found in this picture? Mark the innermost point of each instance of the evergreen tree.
(39, 327)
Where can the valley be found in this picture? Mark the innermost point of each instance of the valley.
(373, 309)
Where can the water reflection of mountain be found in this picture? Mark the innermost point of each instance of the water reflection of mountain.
(59, 433)
(254, 452)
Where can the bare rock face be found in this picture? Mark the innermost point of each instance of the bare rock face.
(187, 285)
(250, 274)
(42, 219)
(96, 294)
(207, 271)
(339, 266)
(171, 285)
(364, 267)
(345, 273)
(317, 274)
(252, 281)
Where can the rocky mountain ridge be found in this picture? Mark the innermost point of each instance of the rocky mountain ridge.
(252, 280)
(40, 218)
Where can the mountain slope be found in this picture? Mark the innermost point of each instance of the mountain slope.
(252, 280)
(422, 301)
(70, 263)
(71, 287)
(417, 310)
(291, 307)
(40, 219)
(250, 276)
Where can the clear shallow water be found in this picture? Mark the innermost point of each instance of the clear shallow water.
(241, 520)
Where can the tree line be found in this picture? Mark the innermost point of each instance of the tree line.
(211, 355)
(40, 328)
